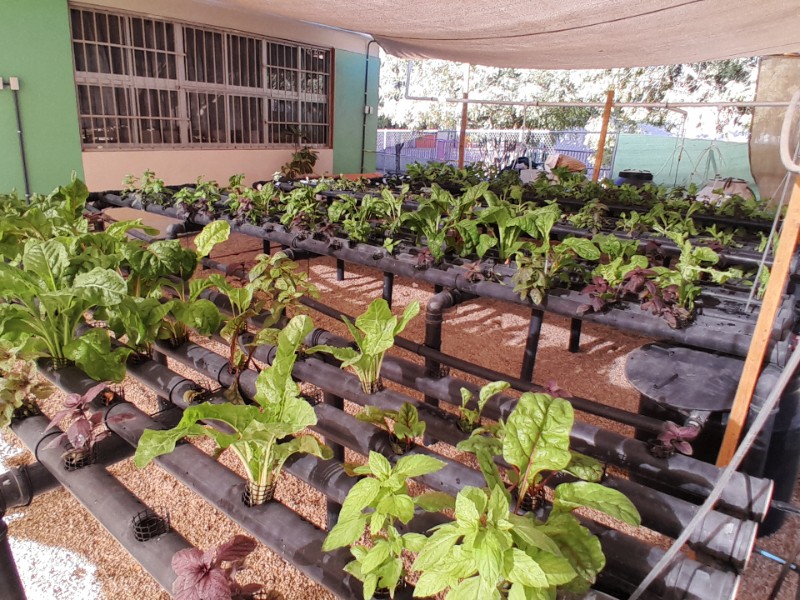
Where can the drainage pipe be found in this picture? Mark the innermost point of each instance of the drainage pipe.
(111, 503)
(724, 537)
(388, 287)
(710, 332)
(575, 326)
(393, 367)
(19, 486)
(10, 582)
(434, 318)
(531, 344)
(275, 525)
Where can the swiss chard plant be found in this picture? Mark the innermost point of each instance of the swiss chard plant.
(264, 435)
(275, 284)
(403, 425)
(205, 576)
(188, 310)
(470, 418)
(374, 332)
(147, 190)
(198, 200)
(375, 506)
(46, 301)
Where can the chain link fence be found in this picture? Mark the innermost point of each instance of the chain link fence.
(397, 148)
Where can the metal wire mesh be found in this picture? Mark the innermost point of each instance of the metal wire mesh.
(397, 148)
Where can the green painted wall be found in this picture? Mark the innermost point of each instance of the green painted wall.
(35, 46)
(348, 112)
(659, 155)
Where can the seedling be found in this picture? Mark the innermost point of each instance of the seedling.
(469, 418)
(403, 425)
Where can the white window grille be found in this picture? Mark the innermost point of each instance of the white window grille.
(143, 82)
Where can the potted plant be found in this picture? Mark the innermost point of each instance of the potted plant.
(203, 575)
(374, 332)
(81, 434)
(265, 435)
(375, 506)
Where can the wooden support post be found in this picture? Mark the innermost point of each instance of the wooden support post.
(462, 137)
(763, 329)
(601, 145)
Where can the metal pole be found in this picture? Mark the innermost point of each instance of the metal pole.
(462, 137)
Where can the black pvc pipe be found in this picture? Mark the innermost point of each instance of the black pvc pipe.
(19, 486)
(531, 345)
(434, 319)
(10, 582)
(393, 366)
(388, 287)
(333, 507)
(712, 330)
(575, 326)
(339, 269)
(275, 525)
(111, 503)
(724, 538)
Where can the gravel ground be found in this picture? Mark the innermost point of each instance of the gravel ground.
(64, 554)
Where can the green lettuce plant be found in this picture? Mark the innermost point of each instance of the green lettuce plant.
(374, 332)
(375, 506)
(264, 435)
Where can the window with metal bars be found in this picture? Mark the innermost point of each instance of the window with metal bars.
(144, 82)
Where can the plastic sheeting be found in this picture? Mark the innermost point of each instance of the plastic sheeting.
(558, 34)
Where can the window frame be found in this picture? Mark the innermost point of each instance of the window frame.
(179, 117)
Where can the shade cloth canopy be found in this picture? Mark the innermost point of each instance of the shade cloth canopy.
(558, 34)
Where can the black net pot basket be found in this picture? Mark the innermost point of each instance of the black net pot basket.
(149, 524)
(255, 494)
(77, 459)
(265, 594)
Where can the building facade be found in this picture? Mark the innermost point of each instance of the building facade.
(183, 88)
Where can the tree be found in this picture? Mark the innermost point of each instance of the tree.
(726, 80)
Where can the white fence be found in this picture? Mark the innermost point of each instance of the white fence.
(396, 148)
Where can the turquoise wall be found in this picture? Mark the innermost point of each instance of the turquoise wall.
(35, 46)
(348, 112)
(700, 159)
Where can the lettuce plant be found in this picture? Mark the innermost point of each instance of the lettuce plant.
(374, 332)
(19, 386)
(263, 436)
(374, 506)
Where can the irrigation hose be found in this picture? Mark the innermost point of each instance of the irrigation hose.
(725, 476)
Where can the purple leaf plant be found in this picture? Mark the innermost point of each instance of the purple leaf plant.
(81, 431)
(201, 575)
